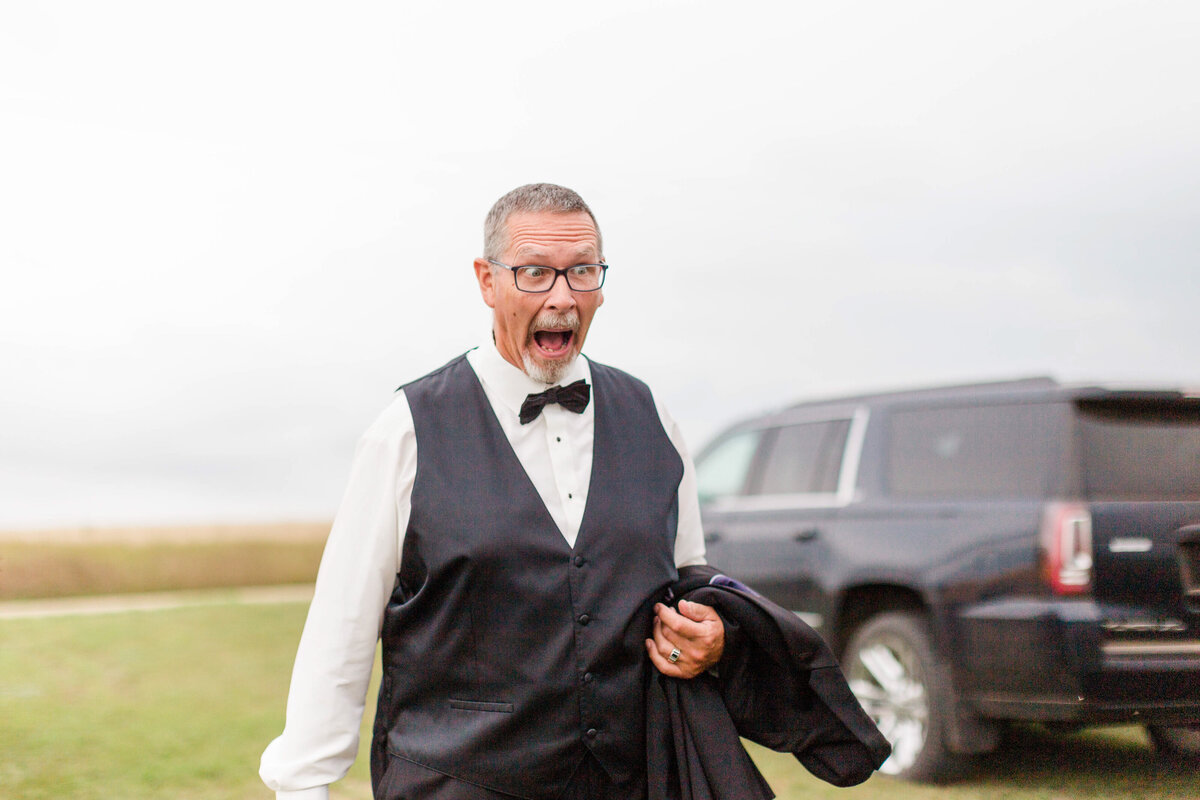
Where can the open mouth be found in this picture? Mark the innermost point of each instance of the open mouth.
(554, 343)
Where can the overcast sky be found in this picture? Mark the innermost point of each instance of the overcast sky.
(229, 230)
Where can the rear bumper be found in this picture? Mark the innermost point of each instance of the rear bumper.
(1052, 660)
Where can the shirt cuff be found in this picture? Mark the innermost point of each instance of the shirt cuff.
(315, 793)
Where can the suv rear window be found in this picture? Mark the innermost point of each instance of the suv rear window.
(1140, 451)
(802, 459)
(995, 452)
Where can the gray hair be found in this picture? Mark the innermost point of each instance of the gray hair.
(530, 198)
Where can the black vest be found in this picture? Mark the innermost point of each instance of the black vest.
(506, 652)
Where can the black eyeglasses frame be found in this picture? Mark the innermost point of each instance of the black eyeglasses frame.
(557, 272)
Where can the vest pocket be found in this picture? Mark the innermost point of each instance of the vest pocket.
(471, 705)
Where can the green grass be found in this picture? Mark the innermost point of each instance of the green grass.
(1102, 764)
(179, 704)
(168, 704)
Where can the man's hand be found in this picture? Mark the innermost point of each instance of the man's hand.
(695, 631)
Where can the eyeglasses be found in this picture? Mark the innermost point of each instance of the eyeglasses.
(535, 279)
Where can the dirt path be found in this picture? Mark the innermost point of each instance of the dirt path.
(156, 601)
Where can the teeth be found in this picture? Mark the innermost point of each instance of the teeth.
(553, 341)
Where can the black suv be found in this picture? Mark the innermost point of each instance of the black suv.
(977, 554)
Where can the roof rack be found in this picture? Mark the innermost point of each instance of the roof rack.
(1016, 385)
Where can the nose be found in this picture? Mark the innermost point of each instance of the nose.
(560, 295)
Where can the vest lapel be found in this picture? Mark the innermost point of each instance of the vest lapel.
(601, 455)
(504, 450)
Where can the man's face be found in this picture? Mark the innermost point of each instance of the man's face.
(542, 333)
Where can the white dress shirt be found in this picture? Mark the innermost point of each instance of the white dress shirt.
(362, 557)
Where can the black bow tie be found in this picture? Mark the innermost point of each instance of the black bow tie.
(572, 397)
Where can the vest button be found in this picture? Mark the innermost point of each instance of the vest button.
(579, 561)
(591, 733)
(587, 677)
(584, 619)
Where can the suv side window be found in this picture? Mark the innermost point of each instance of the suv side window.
(1000, 451)
(803, 459)
(723, 470)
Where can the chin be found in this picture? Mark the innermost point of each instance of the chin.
(548, 372)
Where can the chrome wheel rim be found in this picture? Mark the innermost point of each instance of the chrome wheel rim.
(886, 677)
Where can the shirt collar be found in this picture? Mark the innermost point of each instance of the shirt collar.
(510, 384)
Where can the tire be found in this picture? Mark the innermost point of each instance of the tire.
(1177, 743)
(892, 669)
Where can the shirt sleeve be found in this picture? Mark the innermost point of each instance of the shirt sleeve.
(689, 536)
(337, 648)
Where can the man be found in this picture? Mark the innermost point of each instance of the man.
(510, 520)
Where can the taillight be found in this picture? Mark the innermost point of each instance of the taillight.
(1067, 547)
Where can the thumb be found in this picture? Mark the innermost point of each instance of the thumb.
(697, 612)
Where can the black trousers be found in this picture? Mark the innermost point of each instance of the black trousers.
(406, 780)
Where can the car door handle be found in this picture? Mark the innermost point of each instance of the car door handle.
(806, 535)
(711, 536)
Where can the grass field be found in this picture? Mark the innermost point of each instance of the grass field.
(180, 703)
(63, 563)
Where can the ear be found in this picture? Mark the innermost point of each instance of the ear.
(487, 283)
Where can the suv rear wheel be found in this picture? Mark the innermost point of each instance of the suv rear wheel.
(1177, 742)
(893, 671)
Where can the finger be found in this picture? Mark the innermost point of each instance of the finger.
(661, 663)
(679, 624)
(697, 612)
(665, 640)
(666, 643)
